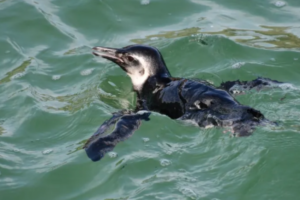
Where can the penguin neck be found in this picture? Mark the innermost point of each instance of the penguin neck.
(138, 81)
(157, 72)
(152, 84)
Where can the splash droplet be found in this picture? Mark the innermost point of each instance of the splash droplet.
(146, 139)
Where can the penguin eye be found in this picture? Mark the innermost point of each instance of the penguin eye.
(130, 58)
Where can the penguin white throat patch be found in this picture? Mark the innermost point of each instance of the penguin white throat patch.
(140, 74)
(138, 78)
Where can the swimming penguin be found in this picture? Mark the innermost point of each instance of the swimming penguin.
(178, 98)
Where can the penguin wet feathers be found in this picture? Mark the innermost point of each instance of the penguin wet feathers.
(178, 98)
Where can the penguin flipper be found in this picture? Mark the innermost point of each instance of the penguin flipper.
(118, 128)
(237, 87)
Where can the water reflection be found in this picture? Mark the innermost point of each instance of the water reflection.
(269, 37)
(17, 72)
(169, 34)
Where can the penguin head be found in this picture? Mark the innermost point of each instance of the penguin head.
(138, 61)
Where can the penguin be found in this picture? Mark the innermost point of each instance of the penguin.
(178, 98)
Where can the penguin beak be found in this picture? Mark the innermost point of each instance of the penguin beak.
(109, 54)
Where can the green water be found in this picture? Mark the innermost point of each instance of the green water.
(55, 94)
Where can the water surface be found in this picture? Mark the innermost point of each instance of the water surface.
(55, 94)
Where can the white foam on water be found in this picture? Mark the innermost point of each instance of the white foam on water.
(145, 2)
(154, 38)
(141, 112)
(165, 162)
(47, 151)
(280, 4)
(188, 192)
(56, 77)
(18, 75)
(238, 65)
(86, 72)
(112, 154)
(112, 84)
(289, 86)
